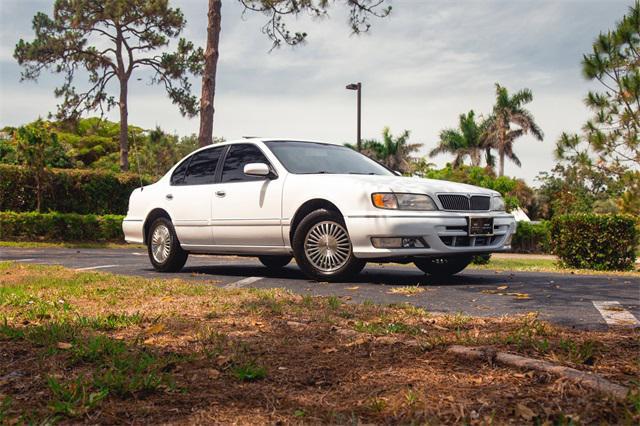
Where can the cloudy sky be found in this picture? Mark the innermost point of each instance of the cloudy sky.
(420, 68)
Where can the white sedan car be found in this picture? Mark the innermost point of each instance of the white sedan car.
(330, 207)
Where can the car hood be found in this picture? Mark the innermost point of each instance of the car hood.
(412, 185)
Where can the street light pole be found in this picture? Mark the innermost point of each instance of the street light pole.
(358, 88)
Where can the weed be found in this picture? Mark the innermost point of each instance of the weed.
(9, 332)
(131, 373)
(111, 322)
(386, 328)
(5, 406)
(98, 349)
(267, 301)
(415, 311)
(307, 301)
(411, 397)
(456, 320)
(299, 413)
(377, 405)
(531, 333)
(578, 353)
(213, 342)
(248, 372)
(73, 398)
(49, 335)
(333, 302)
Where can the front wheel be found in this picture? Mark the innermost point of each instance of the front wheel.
(163, 246)
(443, 266)
(275, 262)
(322, 247)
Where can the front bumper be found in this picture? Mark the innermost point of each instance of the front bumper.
(444, 232)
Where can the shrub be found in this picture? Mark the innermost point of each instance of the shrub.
(531, 237)
(34, 226)
(603, 242)
(67, 191)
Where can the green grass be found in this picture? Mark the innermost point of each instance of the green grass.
(384, 327)
(248, 372)
(74, 397)
(540, 265)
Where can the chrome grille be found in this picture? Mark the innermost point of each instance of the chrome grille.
(460, 202)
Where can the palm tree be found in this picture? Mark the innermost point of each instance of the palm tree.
(393, 152)
(509, 110)
(465, 141)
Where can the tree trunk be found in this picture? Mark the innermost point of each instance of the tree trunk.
(123, 77)
(501, 172)
(209, 77)
(475, 157)
(124, 127)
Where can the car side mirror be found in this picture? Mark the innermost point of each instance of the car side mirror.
(257, 169)
(397, 173)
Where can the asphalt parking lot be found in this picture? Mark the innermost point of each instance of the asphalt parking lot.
(581, 301)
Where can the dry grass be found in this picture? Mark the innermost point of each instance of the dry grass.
(100, 348)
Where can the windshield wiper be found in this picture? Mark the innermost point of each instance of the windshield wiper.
(319, 172)
(362, 173)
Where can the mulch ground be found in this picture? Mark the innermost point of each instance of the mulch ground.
(320, 366)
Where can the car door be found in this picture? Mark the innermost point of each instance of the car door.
(190, 195)
(246, 210)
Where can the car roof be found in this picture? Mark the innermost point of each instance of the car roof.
(249, 139)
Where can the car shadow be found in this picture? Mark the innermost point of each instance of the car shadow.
(372, 275)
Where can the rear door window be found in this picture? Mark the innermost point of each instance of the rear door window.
(202, 167)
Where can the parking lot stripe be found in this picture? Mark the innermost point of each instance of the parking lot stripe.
(243, 283)
(88, 268)
(24, 260)
(614, 314)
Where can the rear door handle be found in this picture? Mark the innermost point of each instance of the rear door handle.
(169, 196)
(221, 193)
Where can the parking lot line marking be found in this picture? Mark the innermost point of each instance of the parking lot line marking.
(24, 260)
(243, 283)
(135, 253)
(614, 314)
(88, 268)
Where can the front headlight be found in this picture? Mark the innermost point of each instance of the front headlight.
(389, 200)
(497, 203)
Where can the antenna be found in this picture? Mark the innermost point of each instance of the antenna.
(133, 143)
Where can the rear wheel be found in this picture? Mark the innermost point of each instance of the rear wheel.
(322, 247)
(275, 262)
(443, 266)
(163, 246)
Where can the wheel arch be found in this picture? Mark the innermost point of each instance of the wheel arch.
(306, 208)
(153, 215)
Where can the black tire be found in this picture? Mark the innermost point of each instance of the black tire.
(443, 267)
(176, 257)
(275, 262)
(351, 266)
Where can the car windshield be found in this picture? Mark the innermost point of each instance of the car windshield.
(321, 158)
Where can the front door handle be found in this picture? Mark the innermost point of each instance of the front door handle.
(221, 193)
(169, 196)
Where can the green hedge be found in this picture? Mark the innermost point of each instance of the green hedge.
(67, 191)
(55, 227)
(532, 238)
(590, 241)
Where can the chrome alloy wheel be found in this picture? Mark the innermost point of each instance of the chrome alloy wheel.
(327, 246)
(161, 243)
